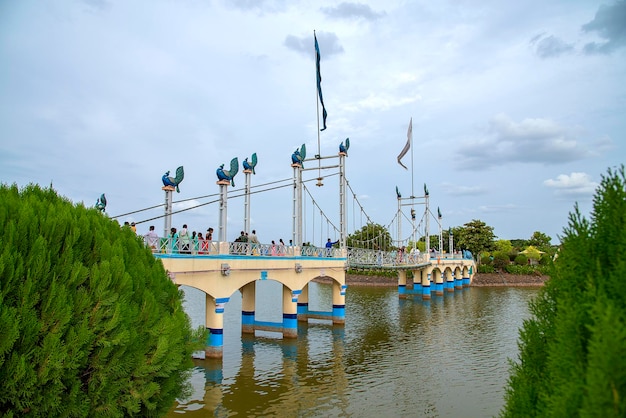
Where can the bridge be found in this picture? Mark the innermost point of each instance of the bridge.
(220, 268)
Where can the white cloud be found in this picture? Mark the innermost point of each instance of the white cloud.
(575, 184)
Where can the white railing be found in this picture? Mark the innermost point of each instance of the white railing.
(206, 247)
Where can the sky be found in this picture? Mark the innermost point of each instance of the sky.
(517, 108)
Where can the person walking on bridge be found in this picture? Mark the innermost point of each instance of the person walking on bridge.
(329, 247)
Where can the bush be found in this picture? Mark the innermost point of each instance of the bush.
(521, 260)
(486, 268)
(500, 260)
(90, 323)
(571, 350)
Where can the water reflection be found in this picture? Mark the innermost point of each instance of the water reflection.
(441, 358)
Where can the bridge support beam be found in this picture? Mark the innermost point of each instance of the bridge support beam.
(449, 281)
(458, 281)
(426, 285)
(215, 324)
(290, 314)
(248, 306)
(439, 283)
(303, 304)
(402, 293)
(339, 303)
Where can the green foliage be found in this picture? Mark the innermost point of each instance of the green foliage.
(571, 360)
(474, 236)
(521, 260)
(503, 245)
(500, 260)
(485, 268)
(90, 323)
(372, 236)
(540, 240)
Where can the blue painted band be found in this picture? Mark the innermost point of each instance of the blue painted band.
(248, 313)
(222, 300)
(303, 304)
(216, 330)
(290, 323)
(296, 292)
(290, 316)
(339, 306)
(339, 312)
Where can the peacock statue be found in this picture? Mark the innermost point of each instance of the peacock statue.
(250, 166)
(230, 174)
(398, 193)
(299, 155)
(425, 190)
(438, 212)
(174, 181)
(101, 203)
(344, 148)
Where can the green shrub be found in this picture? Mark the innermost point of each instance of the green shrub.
(90, 324)
(521, 260)
(486, 260)
(485, 268)
(500, 260)
(571, 351)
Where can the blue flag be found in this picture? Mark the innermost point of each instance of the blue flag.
(319, 81)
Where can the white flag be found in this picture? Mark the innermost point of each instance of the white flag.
(406, 148)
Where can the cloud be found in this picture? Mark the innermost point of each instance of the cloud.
(529, 141)
(576, 184)
(550, 46)
(497, 208)
(457, 190)
(352, 10)
(328, 42)
(610, 25)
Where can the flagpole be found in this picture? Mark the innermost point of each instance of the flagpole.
(317, 109)
(412, 176)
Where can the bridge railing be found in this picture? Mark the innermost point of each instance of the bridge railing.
(170, 245)
(376, 258)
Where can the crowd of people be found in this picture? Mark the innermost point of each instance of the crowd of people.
(184, 241)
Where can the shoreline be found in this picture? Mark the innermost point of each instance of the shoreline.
(479, 280)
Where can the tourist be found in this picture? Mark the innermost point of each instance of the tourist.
(185, 240)
(329, 246)
(151, 238)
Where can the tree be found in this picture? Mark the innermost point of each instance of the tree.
(91, 324)
(372, 236)
(540, 240)
(571, 358)
(475, 236)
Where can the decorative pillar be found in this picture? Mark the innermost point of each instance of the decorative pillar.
(297, 204)
(248, 169)
(222, 235)
(342, 199)
(339, 303)
(167, 227)
(290, 315)
(215, 325)
(417, 281)
(248, 305)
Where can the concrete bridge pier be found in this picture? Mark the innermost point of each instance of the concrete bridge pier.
(303, 304)
(215, 324)
(439, 283)
(248, 306)
(458, 281)
(449, 281)
(426, 284)
(339, 303)
(290, 313)
(417, 282)
(402, 291)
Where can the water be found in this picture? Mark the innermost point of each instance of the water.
(405, 358)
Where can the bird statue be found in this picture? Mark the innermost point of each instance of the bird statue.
(344, 148)
(101, 203)
(425, 190)
(174, 181)
(230, 174)
(299, 155)
(398, 193)
(250, 166)
(438, 213)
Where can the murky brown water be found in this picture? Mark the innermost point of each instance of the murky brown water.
(404, 358)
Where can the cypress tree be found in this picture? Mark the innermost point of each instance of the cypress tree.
(571, 361)
(90, 324)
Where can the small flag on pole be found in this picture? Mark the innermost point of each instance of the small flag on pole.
(406, 148)
(319, 82)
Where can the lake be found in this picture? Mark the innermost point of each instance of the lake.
(447, 357)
